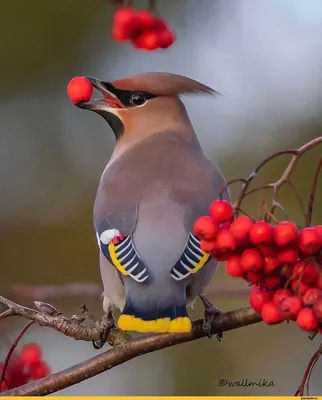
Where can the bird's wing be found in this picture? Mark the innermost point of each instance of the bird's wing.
(201, 186)
(115, 215)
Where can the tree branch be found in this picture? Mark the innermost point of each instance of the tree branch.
(124, 348)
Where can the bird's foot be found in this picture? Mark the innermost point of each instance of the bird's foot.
(209, 315)
(106, 324)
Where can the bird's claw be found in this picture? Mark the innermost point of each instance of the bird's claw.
(209, 315)
(106, 324)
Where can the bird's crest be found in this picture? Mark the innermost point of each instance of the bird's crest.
(163, 84)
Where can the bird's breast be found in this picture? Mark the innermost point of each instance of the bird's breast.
(160, 234)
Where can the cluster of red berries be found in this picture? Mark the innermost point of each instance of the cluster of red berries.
(24, 367)
(282, 263)
(142, 29)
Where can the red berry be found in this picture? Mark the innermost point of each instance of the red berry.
(267, 250)
(311, 296)
(318, 229)
(150, 40)
(318, 283)
(271, 282)
(252, 277)
(317, 308)
(39, 371)
(16, 372)
(233, 267)
(287, 271)
(258, 298)
(307, 320)
(288, 255)
(241, 227)
(308, 271)
(309, 241)
(205, 229)
(125, 16)
(79, 89)
(119, 33)
(225, 242)
(251, 260)
(270, 314)
(166, 38)
(220, 255)
(285, 233)
(299, 288)
(281, 294)
(261, 232)
(31, 353)
(207, 246)
(146, 20)
(221, 211)
(289, 307)
(160, 24)
(270, 264)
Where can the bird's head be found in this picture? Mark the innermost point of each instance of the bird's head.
(144, 103)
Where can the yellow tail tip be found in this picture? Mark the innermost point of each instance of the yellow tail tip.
(161, 325)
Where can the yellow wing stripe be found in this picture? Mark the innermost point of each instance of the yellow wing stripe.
(113, 255)
(200, 263)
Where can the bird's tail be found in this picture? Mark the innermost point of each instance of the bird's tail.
(154, 317)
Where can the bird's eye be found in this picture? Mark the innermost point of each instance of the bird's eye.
(137, 99)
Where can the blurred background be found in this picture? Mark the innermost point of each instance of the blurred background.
(265, 57)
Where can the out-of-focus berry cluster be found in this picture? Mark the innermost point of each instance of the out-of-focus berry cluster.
(23, 367)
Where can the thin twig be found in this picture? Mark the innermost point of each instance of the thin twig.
(298, 197)
(308, 371)
(7, 313)
(12, 348)
(297, 153)
(312, 194)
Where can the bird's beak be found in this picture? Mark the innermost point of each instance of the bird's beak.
(105, 103)
(106, 106)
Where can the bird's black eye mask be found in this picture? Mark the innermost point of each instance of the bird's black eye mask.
(129, 98)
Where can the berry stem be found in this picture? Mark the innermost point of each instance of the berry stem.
(308, 372)
(298, 197)
(11, 350)
(152, 5)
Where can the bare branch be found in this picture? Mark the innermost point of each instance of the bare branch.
(68, 326)
(124, 351)
(296, 153)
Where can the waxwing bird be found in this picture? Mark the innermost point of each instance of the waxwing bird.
(156, 184)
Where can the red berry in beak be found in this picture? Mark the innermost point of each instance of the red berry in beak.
(79, 90)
